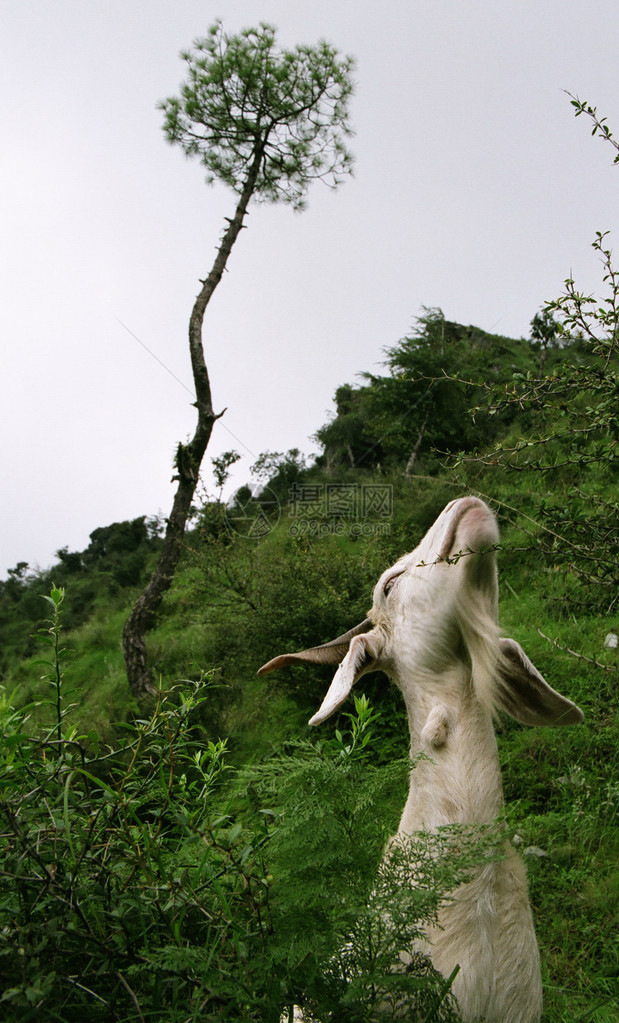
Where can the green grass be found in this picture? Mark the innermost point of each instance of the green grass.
(232, 608)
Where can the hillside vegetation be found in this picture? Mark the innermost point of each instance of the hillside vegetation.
(211, 888)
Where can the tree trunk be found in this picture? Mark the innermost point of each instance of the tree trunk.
(188, 459)
(415, 452)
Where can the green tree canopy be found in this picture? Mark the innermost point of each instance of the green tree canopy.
(348, 439)
(436, 374)
(245, 99)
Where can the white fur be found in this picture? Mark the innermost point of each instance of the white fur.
(443, 641)
(435, 633)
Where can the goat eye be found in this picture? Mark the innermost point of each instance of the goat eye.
(389, 583)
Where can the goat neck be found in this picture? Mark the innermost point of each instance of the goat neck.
(433, 629)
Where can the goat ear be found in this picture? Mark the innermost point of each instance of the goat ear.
(328, 653)
(526, 695)
(362, 656)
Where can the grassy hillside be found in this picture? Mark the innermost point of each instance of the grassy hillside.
(237, 601)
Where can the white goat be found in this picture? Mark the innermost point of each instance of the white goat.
(433, 629)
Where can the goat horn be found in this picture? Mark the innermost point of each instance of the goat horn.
(328, 653)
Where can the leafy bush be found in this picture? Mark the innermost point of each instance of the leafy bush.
(150, 882)
(101, 893)
(357, 917)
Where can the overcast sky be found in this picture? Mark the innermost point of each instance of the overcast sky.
(475, 190)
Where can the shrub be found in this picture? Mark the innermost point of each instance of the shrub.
(140, 883)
